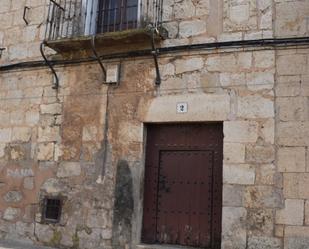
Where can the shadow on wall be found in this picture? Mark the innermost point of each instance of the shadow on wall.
(123, 207)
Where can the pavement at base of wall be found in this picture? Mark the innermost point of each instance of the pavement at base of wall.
(20, 245)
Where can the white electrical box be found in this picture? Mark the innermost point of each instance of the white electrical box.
(112, 73)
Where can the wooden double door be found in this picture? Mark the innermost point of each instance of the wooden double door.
(183, 185)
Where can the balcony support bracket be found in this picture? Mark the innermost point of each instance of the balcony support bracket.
(155, 52)
(97, 57)
(50, 65)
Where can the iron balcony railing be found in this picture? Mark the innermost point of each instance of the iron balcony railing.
(74, 18)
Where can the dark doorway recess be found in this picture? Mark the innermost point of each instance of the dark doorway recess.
(183, 185)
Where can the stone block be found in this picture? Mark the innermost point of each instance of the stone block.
(45, 152)
(69, 169)
(223, 63)
(266, 174)
(260, 154)
(255, 106)
(48, 134)
(5, 135)
(13, 196)
(263, 197)
(264, 59)
(292, 108)
(240, 131)
(233, 195)
(260, 80)
(296, 185)
(234, 152)
(2, 149)
(192, 28)
(188, 65)
(55, 108)
(291, 18)
(11, 214)
(291, 159)
(32, 118)
(268, 131)
(292, 64)
(260, 221)
(296, 237)
(293, 133)
(234, 228)
(232, 79)
(242, 174)
(21, 134)
(258, 242)
(292, 214)
(52, 186)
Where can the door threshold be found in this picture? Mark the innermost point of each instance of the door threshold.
(166, 246)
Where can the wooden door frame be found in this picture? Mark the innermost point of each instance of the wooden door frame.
(140, 221)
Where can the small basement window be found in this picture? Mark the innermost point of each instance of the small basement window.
(52, 210)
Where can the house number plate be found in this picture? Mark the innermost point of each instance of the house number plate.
(182, 107)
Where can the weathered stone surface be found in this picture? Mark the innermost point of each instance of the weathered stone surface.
(233, 195)
(45, 151)
(292, 108)
(69, 169)
(293, 133)
(52, 186)
(291, 159)
(29, 183)
(13, 196)
(48, 134)
(296, 185)
(238, 174)
(296, 237)
(292, 214)
(51, 108)
(240, 131)
(188, 65)
(260, 80)
(260, 222)
(90, 133)
(258, 242)
(266, 174)
(260, 154)
(296, 65)
(263, 196)
(264, 59)
(255, 106)
(233, 228)
(307, 212)
(234, 152)
(11, 213)
(5, 135)
(192, 28)
(268, 131)
(22, 134)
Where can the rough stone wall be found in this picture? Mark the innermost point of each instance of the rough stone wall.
(52, 143)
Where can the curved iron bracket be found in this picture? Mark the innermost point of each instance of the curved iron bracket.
(98, 58)
(50, 65)
(155, 53)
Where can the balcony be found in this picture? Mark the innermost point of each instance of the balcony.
(72, 24)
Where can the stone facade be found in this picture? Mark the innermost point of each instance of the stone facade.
(52, 142)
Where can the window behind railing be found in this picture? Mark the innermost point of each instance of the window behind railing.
(73, 18)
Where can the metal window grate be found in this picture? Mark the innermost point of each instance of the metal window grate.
(52, 210)
(74, 18)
